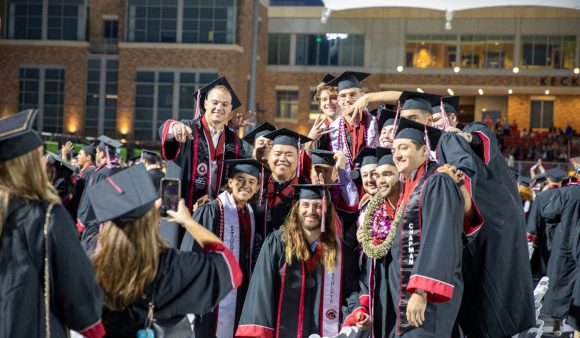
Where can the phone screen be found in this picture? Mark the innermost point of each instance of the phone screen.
(170, 194)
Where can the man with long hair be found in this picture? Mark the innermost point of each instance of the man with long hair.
(305, 278)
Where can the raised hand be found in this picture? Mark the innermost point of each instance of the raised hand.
(340, 160)
(65, 150)
(241, 119)
(181, 132)
(354, 112)
(318, 128)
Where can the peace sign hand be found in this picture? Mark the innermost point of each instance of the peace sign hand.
(318, 128)
(241, 119)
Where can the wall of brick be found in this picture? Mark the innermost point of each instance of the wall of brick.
(567, 111)
(105, 7)
(519, 110)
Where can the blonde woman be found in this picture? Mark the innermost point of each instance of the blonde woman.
(74, 298)
(141, 277)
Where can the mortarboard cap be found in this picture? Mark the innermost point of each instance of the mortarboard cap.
(320, 156)
(17, 136)
(576, 163)
(150, 155)
(556, 174)
(365, 156)
(408, 129)
(312, 191)
(59, 163)
(525, 181)
(261, 130)
(418, 101)
(123, 197)
(221, 81)
(348, 80)
(107, 141)
(287, 137)
(450, 103)
(244, 165)
(540, 177)
(387, 118)
(384, 156)
(327, 78)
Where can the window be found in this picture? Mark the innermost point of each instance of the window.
(163, 95)
(287, 104)
(63, 19)
(111, 30)
(187, 21)
(487, 51)
(541, 114)
(431, 51)
(548, 51)
(279, 49)
(101, 111)
(329, 50)
(43, 88)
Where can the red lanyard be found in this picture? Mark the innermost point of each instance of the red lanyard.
(411, 185)
(357, 136)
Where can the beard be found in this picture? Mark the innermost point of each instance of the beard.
(309, 225)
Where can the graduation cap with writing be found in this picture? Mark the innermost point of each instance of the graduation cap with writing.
(123, 197)
(150, 155)
(576, 163)
(384, 156)
(556, 174)
(315, 192)
(348, 80)
(412, 130)
(387, 118)
(320, 156)
(203, 91)
(450, 105)
(419, 101)
(59, 163)
(17, 136)
(261, 130)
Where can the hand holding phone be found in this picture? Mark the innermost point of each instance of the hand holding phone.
(170, 195)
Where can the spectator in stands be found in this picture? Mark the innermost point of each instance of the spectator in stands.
(569, 130)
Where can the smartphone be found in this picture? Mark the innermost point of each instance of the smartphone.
(170, 195)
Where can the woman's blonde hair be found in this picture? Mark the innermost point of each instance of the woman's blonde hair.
(296, 246)
(128, 259)
(322, 87)
(25, 176)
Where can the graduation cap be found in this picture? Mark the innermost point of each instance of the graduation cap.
(412, 130)
(247, 166)
(287, 137)
(89, 149)
(320, 156)
(59, 163)
(315, 192)
(556, 174)
(203, 91)
(17, 136)
(365, 156)
(150, 156)
(261, 130)
(384, 156)
(576, 163)
(387, 118)
(348, 80)
(123, 197)
(450, 105)
(327, 78)
(525, 181)
(106, 142)
(418, 101)
(539, 177)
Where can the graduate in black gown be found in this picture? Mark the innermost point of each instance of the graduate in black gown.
(75, 300)
(386, 121)
(425, 275)
(261, 145)
(563, 267)
(200, 145)
(303, 282)
(152, 162)
(237, 222)
(540, 230)
(86, 161)
(284, 162)
(138, 271)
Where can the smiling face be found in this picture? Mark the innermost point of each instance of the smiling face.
(385, 139)
(368, 177)
(243, 186)
(329, 103)
(408, 156)
(310, 213)
(283, 160)
(347, 97)
(387, 179)
(218, 107)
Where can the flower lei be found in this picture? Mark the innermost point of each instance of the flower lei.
(377, 239)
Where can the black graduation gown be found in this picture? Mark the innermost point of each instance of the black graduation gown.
(76, 300)
(80, 181)
(156, 176)
(263, 313)
(209, 216)
(194, 176)
(86, 214)
(540, 231)
(427, 255)
(276, 212)
(563, 265)
(498, 299)
(186, 282)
